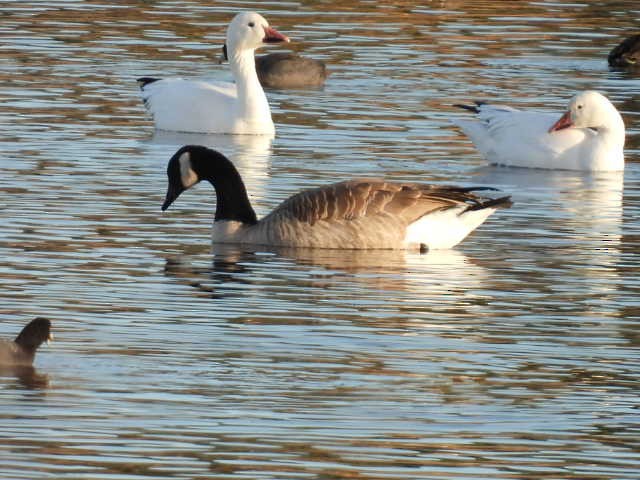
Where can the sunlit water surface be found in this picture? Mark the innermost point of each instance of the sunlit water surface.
(513, 356)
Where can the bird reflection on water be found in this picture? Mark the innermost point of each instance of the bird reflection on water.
(25, 375)
(236, 270)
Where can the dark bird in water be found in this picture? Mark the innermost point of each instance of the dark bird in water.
(627, 54)
(22, 350)
(288, 70)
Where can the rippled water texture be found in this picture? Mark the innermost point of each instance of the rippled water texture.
(514, 356)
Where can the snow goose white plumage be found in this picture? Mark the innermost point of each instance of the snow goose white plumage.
(589, 136)
(218, 107)
(355, 214)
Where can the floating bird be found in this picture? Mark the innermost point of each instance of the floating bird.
(218, 107)
(290, 70)
(355, 214)
(284, 70)
(22, 350)
(627, 54)
(589, 136)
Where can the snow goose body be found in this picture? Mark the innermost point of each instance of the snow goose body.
(201, 106)
(589, 136)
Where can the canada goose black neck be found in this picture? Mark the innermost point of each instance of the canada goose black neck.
(232, 201)
(34, 334)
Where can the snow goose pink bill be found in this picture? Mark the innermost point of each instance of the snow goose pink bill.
(218, 107)
(589, 136)
(355, 214)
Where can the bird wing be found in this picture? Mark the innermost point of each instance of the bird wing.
(358, 199)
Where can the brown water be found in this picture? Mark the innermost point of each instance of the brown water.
(513, 356)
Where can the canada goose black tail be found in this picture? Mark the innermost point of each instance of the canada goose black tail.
(502, 202)
(475, 189)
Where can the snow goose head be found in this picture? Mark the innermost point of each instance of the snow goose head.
(590, 109)
(250, 30)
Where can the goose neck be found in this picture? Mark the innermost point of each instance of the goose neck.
(243, 67)
(613, 129)
(232, 201)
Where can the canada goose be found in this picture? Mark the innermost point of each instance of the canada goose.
(356, 214)
(626, 54)
(22, 350)
(218, 107)
(589, 136)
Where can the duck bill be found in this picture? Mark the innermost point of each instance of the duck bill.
(172, 194)
(271, 35)
(564, 122)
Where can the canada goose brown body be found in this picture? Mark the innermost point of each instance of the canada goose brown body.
(22, 350)
(355, 214)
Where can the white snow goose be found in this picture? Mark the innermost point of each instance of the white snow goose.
(355, 214)
(218, 107)
(589, 136)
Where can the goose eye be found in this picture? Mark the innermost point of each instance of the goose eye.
(579, 107)
(251, 24)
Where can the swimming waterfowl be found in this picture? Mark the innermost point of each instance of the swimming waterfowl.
(355, 214)
(22, 350)
(282, 70)
(290, 70)
(589, 136)
(626, 54)
(218, 107)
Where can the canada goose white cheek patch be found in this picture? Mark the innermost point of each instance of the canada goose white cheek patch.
(187, 175)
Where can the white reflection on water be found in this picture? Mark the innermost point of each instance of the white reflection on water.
(249, 153)
(591, 203)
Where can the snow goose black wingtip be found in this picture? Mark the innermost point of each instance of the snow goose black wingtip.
(144, 81)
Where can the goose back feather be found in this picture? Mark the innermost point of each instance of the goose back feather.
(290, 70)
